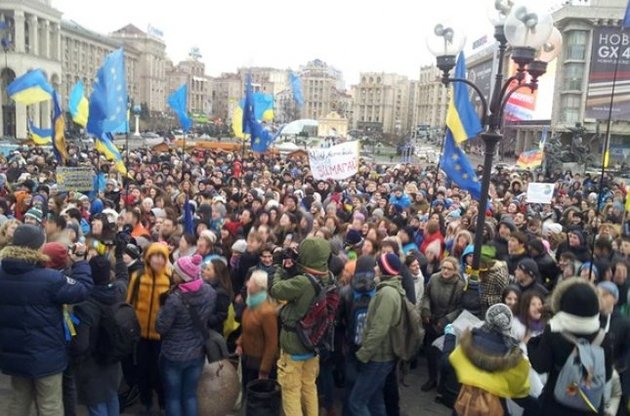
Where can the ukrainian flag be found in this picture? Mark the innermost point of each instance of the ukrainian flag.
(60, 149)
(41, 137)
(78, 105)
(530, 159)
(30, 88)
(263, 111)
(105, 146)
(461, 118)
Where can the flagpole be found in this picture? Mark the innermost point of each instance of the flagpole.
(605, 158)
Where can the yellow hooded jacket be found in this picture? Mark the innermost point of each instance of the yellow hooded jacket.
(145, 289)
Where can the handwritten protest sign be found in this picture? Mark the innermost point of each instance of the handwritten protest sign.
(336, 162)
(539, 193)
(78, 179)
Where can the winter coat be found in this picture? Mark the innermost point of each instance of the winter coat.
(442, 298)
(483, 360)
(492, 283)
(221, 306)
(408, 284)
(96, 382)
(145, 290)
(619, 334)
(259, 337)
(514, 260)
(181, 339)
(383, 313)
(548, 353)
(582, 253)
(502, 248)
(32, 339)
(549, 270)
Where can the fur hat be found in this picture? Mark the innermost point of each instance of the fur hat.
(575, 304)
(188, 267)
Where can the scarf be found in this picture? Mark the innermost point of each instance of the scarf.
(253, 301)
(579, 325)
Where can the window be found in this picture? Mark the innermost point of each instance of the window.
(576, 44)
(574, 74)
(571, 108)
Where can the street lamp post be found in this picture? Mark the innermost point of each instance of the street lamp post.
(534, 42)
(136, 114)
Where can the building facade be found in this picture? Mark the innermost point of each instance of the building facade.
(34, 41)
(191, 72)
(322, 86)
(431, 101)
(226, 93)
(381, 101)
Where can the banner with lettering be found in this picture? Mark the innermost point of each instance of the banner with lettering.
(336, 162)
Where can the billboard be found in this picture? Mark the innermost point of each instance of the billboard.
(481, 75)
(609, 45)
(522, 103)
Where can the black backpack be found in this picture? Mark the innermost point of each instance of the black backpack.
(118, 333)
(363, 289)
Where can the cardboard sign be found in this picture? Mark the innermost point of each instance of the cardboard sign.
(336, 162)
(539, 193)
(78, 179)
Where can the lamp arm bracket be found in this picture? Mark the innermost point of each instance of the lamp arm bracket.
(484, 101)
(504, 89)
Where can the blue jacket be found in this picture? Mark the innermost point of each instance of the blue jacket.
(32, 341)
(404, 201)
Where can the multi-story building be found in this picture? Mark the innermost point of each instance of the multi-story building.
(226, 93)
(82, 54)
(321, 87)
(34, 36)
(431, 99)
(592, 43)
(381, 102)
(151, 66)
(267, 80)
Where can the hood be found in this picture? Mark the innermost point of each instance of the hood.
(470, 248)
(155, 248)
(561, 288)
(394, 281)
(314, 254)
(17, 259)
(492, 355)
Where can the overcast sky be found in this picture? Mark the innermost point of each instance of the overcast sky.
(351, 35)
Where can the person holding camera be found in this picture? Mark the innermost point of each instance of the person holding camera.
(98, 374)
(32, 296)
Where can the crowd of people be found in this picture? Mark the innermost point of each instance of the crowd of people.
(266, 238)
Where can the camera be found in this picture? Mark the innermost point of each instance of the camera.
(289, 254)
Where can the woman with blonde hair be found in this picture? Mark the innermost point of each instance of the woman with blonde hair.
(6, 232)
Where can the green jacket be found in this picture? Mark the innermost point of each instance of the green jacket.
(383, 313)
(299, 293)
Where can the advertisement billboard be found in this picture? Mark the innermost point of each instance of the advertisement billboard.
(609, 45)
(481, 75)
(522, 103)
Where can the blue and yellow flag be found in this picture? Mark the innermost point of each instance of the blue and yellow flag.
(178, 101)
(108, 102)
(105, 146)
(454, 161)
(30, 88)
(60, 149)
(461, 118)
(260, 138)
(78, 105)
(41, 137)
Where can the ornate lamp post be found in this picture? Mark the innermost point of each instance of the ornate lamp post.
(533, 40)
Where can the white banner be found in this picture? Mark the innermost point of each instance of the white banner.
(539, 193)
(337, 162)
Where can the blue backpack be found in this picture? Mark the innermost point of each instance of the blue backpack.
(363, 290)
(582, 379)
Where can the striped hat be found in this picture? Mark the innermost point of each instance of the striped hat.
(390, 264)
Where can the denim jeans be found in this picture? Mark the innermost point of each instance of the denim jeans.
(109, 408)
(180, 380)
(366, 398)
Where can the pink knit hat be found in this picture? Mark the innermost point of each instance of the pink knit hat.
(188, 267)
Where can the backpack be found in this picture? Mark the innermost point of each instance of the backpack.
(582, 379)
(118, 334)
(363, 289)
(473, 401)
(316, 329)
(406, 336)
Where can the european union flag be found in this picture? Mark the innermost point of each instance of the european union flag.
(178, 101)
(296, 86)
(461, 118)
(30, 88)
(260, 138)
(458, 168)
(59, 127)
(108, 102)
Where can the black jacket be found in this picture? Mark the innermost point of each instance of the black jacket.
(619, 334)
(548, 269)
(96, 382)
(220, 312)
(32, 340)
